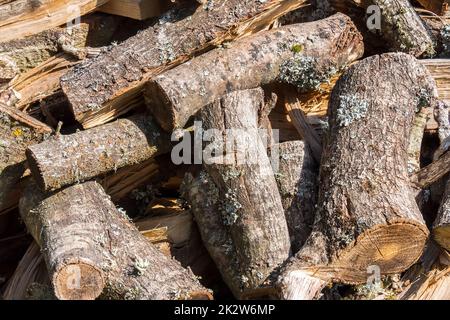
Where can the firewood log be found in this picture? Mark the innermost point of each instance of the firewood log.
(64, 160)
(238, 209)
(41, 15)
(428, 175)
(297, 182)
(367, 213)
(297, 54)
(401, 27)
(17, 132)
(102, 89)
(90, 248)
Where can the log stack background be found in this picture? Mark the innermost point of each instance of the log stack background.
(93, 93)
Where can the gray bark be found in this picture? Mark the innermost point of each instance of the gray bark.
(367, 214)
(65, 160)
(92, 250)
(304, 55)
(236, 203)
(103, 88)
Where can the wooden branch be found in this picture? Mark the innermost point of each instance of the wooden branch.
(177, 94)
(415, 140)
(46, 15)
(81, 156)
(367, 213)
(297, 177)
(103, 89)
(249, 236)
(433, 172)
(90, 248)
(402, 28)
(302, 125)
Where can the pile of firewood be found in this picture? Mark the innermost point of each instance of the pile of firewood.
(280, 149)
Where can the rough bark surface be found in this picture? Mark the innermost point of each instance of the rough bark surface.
(64, 160)
(90, 248)
(249, 220)
(402, 27)
(102, 88)
(304, 55)
(367, 214)
(297, 183)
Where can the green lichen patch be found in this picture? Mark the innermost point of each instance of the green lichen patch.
(304, 73)
(445, 39)
(351, 108)
(229, 208)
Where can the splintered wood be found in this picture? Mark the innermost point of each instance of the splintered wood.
(226, 149)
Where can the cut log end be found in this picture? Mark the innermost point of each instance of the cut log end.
(78, 281)
(393, 248)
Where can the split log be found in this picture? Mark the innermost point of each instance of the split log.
(242, 225)
(102, 89)
(90, 248)
(297, 54)
(17, 132)
(42, 15)
(64, 160)
(297, 183)
(365, 217)
(429, 279)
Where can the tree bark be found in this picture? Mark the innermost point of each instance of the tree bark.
(367, 214)
(297, 183)
(17, 132)
(81, 156)
(238, 209)
(90, 249)
(297, 54)
(102, 89)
